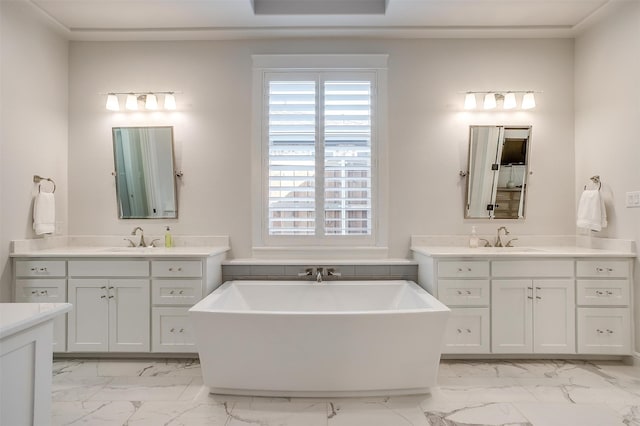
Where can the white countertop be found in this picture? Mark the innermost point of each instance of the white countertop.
(15, 317)
(91, 251)
(518, 252)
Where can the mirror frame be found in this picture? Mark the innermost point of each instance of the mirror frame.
(173, 174)
(527, 172)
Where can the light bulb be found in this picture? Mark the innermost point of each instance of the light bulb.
(528, 101)
(132, 102)
(169, 101)
(509, 101)
(489, 101)
(112, 102)
(151, 102)
(470, 101)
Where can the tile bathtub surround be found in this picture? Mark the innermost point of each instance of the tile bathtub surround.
(170, 392)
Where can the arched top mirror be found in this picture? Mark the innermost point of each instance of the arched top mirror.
(498, 167)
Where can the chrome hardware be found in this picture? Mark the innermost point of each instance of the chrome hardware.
(153, 243)
(498, 241)
(610, 269)
(110, 288)
(538, 297)
(468, 292)
(459, 331)
(538, 288)
(181, 292)
(609, 331)
(175, 269)
(609, 293)
(172, 330)
(468, 331)
(181, 330)
(43, 292)
(34, 291)
(486, 242)
(459, 293)
(111, 296)
(599, 331)
(307, 272)
(599, 293)
(599, 269)
(142, 242)
(331, 272)
(509, 242)
(529, 297)
(171, 292)
(103, 297)
(131, 243)
(319, 274)
(104, 287)
(34, 269)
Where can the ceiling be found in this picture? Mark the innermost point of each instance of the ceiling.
(233, 19)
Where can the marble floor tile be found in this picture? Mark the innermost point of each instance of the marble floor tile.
(569, 414)
(516, 393)
(143, 389)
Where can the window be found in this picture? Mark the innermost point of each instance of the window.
(319, 143)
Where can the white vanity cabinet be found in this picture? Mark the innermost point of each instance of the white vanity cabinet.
(464, 287)
(533, 312)
(176, 286)
(604, 297)
(111, 313)
(531, 304)
(44, 281)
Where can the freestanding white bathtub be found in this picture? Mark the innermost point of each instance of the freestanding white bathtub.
(337, 338)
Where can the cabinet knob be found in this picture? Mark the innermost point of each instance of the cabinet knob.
(459, 292)
(34, 291)
(172, 330)
(609, 331)
(111, 296)
(34, 269)
(599, 293)
(459, 269)
(459, 331)
(529, 297)
(468, 331)
(181, 330)
(181, 291)
(599, 331)
(171, 292)
(599, 269)
(610, 269)
(43, 269)
(609, 293)
(104, 287)
(43, 292)
(103, 297)
(538, 297)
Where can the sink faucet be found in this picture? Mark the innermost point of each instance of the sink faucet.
(135, 230)
(499, 238)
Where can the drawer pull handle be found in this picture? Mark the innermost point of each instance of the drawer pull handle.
(459, 293)
(609, 331)
(171, 292)
(110, 288)
(599, 269)
(459, 331)
(181, 291)
(111, 296)
(34, 291)
(43, 269)
(468, 331)
(43, 292)
(610, 269)
(34, 269)
(459, 269)
(538, 297)
(529, 297)
(103, 297)
(609, 293)
(181, 330)
(599, 331)
(172, 269)
(172, 330)
(599, 293)
(104, 287)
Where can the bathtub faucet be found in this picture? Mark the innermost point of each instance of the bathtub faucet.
(319, 273)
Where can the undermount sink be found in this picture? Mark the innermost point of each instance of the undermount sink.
(509, 249)
(129, 249)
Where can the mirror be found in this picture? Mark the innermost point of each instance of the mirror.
(145, 177)
(497, 172)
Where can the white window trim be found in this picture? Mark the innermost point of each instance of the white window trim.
(335, 246)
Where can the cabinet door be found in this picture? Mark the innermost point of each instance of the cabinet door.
(47, 291)
(554, 323)
(172, 330)
(129, 315)
(467, 331)
(511, 324)
(88, 327)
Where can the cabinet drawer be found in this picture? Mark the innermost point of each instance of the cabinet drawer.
(604, 331)
(176, 292)
(176, 268)
(532, 268)
(40, 268)
(464, 292)
(171, 331)
(603, 292)
(461, 269)
(108, 268)
(41, 291)
(602, 268)
(467, 331)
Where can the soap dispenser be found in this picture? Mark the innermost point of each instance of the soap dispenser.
(473, 239)
(168, 241)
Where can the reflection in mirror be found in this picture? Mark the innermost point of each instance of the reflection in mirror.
(498, 168)
(145, 178)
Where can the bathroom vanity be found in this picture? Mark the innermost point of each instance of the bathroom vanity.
(532, 300)
(125, 300)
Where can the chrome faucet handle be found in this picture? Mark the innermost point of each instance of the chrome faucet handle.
(486, 242)
(307, 272)
(331, 272)
(131, 243)
(153, 243)
(509, 242)
(135, 230)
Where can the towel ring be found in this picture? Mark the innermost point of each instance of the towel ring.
(596, 181)
(38, 179)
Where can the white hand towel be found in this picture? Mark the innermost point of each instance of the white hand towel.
(591, 211)
(44, 213)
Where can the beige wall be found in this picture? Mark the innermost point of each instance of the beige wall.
(427, 130)
(607, 128)
(34, 122)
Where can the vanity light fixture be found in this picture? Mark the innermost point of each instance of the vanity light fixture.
(494, 98)
(470, 101)
(147, 101)
(151, 101)
(169, 101)
(132, 102)
(528, 101)
(489, 101)
(112, 102)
